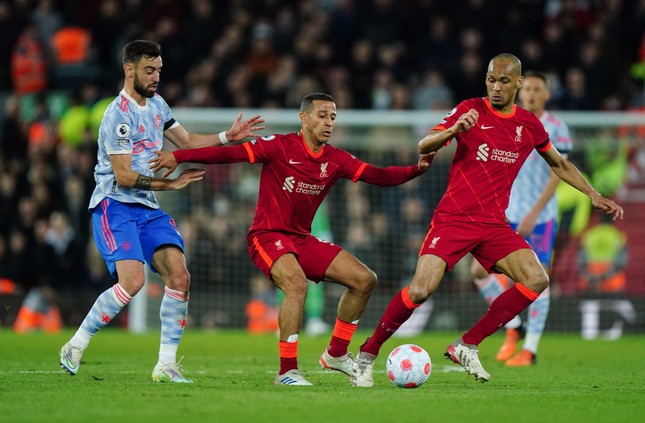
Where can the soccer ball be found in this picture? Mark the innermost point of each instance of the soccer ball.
(408, 366)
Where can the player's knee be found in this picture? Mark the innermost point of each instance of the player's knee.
(367, 281)
(131, 286)
(179, 282)
(478, 272)
(295, 289)
(419, 293)
(544, 282)
(538, 283)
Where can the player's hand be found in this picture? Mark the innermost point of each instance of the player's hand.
(244, 129)
(187, 177)
(465, 121)
(609, 206)
(527, 225)
(164, 159)
(425, 161)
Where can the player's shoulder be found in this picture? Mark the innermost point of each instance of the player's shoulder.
(275, 142)
(278, 138)
(114, 104)
(121, 105)
(527, 116)
(524, 113)
(119, 109)
(158, 100)
(553, 119)
(473, 103)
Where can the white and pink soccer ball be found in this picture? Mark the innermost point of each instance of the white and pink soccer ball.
(408, 366)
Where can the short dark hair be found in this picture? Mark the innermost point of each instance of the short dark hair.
(135, 50)
(538, 74)
(305, 106)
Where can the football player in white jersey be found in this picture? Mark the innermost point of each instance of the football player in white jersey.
(129, 227)
(532, 212)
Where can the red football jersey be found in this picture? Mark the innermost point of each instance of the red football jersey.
(487, 160)
(294, 180)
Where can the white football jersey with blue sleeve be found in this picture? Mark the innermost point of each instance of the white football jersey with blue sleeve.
(127, 128)
(534, 174)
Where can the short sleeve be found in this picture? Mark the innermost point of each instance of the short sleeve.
(262, 149)
(116, 132)
(350, 165)
(452, 116)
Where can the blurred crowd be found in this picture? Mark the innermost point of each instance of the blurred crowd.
(60, 62)
(384, 54)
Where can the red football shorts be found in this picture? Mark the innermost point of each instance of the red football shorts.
(313, 255)
(488, 242)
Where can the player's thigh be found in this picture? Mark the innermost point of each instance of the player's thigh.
(524, 267)
(157, 234)
(287, 275)
(477, 271)
(131, 275)
(170, 263)
(347, 270)
(116, 235)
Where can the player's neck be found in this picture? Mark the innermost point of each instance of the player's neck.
(313, 146)
(141, 100)
(504, 110)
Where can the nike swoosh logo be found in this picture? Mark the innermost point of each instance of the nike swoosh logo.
(292, 162)
(487, 127)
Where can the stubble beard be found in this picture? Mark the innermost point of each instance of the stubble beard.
(141, 90)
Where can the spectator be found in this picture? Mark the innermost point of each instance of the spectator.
(576, 95)
(602, 258)
(13, 142)
(432, 93)
(107, 30)
(72, 46)
(10, 28)
(29, 63)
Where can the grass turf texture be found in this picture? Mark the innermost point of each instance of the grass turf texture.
(574, 381)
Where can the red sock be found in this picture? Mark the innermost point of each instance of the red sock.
(340, 339)
(398, 311)
(288, 356)
(501, 311)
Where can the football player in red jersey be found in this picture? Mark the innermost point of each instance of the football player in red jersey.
(298, 170)
(494, 137)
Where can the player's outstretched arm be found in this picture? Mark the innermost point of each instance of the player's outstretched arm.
(244, 129)
(209, 155)
(572, 176)
(438, 138)
(127, 177)
(395, 175)
(187, 177)
(163, 160)
(240, 129)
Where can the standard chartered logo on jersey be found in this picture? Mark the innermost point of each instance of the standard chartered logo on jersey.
(301, 187)
(484, 154)
(288, 183)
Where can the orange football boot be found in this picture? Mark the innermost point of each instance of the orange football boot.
(523, 358)
(507, 349)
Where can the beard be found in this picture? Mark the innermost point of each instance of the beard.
(140, 89)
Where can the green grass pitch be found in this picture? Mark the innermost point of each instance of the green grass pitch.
(574, 381)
